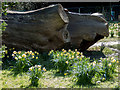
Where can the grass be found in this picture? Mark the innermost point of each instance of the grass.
(108, 39)
(50, 79)
(115, 46)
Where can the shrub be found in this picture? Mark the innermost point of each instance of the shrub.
(108, 67)
(35, 73)
(84, 71)
(63, 60)
(24, 59)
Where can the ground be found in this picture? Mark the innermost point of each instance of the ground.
(52, 79)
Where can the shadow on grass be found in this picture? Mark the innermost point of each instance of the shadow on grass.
(94, 54)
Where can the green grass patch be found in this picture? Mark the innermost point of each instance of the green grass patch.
(115, 46)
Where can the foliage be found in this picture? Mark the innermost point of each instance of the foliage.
(108, 67)
(35, 73)
(85, 72)
(113, 29)
(63, 60)
(24, 59)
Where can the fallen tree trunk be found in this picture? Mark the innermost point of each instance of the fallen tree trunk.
(86, 29)
(51, 28)
(42, 29)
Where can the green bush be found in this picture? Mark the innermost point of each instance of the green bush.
(24, 60)
(35, 74)
(63, 60)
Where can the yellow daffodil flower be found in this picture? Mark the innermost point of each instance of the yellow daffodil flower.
(44, 69)
(36, 57)
(39, 66)
(33, 57)
(33, 54)
(39, 69)
(14, 52)
(31, 68)
(30, 52)
(13, 55)
(19, 57)
(75, 50)
(6, 52)
(65, 74)
(113, 61)
(117, 61)
(16, 58)
(24, 55)
(66, 62)
(19, 52)
(109, 65)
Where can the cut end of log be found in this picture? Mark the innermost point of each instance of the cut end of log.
(62, 13)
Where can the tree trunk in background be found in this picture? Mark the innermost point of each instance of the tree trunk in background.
(42, 29)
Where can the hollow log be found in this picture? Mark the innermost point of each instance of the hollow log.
(43, 29)
(86, 29)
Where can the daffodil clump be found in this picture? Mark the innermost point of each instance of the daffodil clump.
(108, 67)
(35, 73)
(24, 59)
(114, 30)
(85, 71)
(63, 60)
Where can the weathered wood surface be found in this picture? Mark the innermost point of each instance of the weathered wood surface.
(86, 29)
(51, 28)
(42, 29)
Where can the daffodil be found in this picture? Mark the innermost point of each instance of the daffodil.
(44, 69)
(63, 49)
(31, 68)
(72, 57)
(77, 57)
(16, 58)
(78, 52)
(30, 52)
(66, 62)
(103, 79)
(19, 57)
(109, 65)
(61, 54)
(113, 61)
(112, 58)
(39, 66)
(75, 50)
(14, 52)
(65, 74)
(39, 69)
(33, 54)
(37, 53)
(7, 56)
(19, 52)
(6, 52)
(13, 55)
(117, 61)
(25, 52)
(57, 55)
(33, 57)
(36, 65)
(69, 50)
(24, 55)
(36, 57)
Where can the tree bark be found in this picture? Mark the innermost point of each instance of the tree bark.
(43, 29)
(86, 29)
